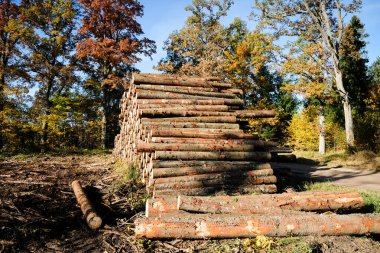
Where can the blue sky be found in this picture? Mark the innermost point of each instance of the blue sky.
(161, 17)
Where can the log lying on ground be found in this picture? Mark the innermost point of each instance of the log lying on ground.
(232, 226)
(196, 170)
(93, 220)
(305, 201)
(229, 156)
(176, 81)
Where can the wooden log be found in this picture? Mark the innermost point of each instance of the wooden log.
(201, 108)
(256, 114)
(300, 201)
(168, 124)
(150, 147)
(222, 226)
(209, 176)
(92, 218)
(222, 107)
(187, 91)
(228, 156)
(185, 171)
(149, 86)
(176, 81)
(256, 143)
(221, 180)
(203, 191)
(169, 95)
(235, 102)
(210, 164)
(207, 119)
(202, 133)
(174, 112)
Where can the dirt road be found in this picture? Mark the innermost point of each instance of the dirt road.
(362, 179)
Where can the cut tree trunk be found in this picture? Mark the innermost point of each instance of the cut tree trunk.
(222, 226)
(176, 81)
(305, 201)
(215, 119)
(163, 124)
(202, 133)
(93, 220)
(210, 164)
(188, 92)
(185, 171)
(235, 102)
(228, 156)
(150, 147)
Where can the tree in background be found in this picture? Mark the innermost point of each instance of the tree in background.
(12, 92)
(198, 48)
(49, 56)
(109, 45)
(304, 18)
(309, 74)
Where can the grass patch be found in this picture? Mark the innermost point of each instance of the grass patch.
(127, 172)
(371, 199)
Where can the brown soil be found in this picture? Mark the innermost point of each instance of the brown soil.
(38, 213)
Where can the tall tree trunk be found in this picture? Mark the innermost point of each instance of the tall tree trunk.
(2, 107)
(105, 117)
(348, 121)
(45, 124)
(322, 143)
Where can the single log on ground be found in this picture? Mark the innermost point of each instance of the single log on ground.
(176, 81)
(236, 102)
(93, 220)
(229, 156)
(167, 205)
(203, 133)
(196, 170)
(301, 201)
(168, 124)
(205, 119)
(203, 191)
(219, 181)
(222, 226)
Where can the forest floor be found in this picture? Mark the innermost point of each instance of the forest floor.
(38, 213)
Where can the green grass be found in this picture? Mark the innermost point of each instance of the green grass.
(371, 199)
(127, 172)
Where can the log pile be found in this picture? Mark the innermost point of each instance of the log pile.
(287, 214)
(185, 134)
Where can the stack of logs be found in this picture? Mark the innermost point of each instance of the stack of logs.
(287, 214)
(185, 134)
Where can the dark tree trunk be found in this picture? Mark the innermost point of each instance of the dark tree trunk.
(105, 118)
(2, 107)
(45, 124)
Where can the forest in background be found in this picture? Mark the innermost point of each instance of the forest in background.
(78, 56)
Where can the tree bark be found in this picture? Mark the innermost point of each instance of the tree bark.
(196, 170)
(299, 201)
(168, 124)
(203, 133)
(176, 81)
(150, 147)
(236, 102)
(322, 143)
(204, 119)
(92, 218)
(186, 91)
(222, 226)
(229, 156)
(2, 107)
